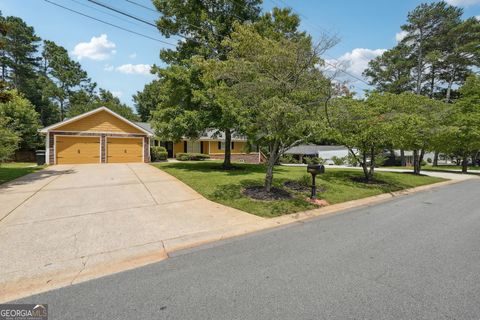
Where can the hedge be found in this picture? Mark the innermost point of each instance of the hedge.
(158, 153)
(191, 156)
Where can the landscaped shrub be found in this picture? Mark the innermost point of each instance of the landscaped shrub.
(429, 160)
(288, 158)
(338, 161)
(191, 156)
(158, 153)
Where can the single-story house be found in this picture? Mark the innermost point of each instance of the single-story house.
(103, 136)
(211, 142)
(322, 151)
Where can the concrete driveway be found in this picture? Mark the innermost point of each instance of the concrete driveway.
(70, 223)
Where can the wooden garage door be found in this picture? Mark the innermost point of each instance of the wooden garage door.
(70, 150)
(121, 150)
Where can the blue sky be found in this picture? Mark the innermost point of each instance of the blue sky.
(119, 61)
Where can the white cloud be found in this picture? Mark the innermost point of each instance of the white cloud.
(99, 48)
(134, 68)
(132, 55)
(399, 36)
(108, 67)
(463, 3)
(477, 17)
(117, 94)
(356, 61)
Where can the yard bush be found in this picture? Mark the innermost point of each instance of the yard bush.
(339, 161)
(191, 156)
(288, 158)
(158, 153)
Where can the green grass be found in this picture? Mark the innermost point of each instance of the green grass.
(226, 187)
(446, 168)
(13, 170)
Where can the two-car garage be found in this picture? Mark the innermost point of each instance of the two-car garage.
(78, 150)
(99, 136)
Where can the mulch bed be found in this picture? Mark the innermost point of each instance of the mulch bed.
(299, 187)
(259, 193)
(372, 182)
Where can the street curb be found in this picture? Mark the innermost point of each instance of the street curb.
(95, 267)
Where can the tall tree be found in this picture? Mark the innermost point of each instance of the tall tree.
(460, 52)
(425, 25)
(391, 71)
(18, 60)
(147, 100)
(66, 76)
(19, 116)
(364, 128)
(277, 86)
(463, 134)
(83, 101)
(203, 25)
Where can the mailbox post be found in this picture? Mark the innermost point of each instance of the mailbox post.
(315, 169)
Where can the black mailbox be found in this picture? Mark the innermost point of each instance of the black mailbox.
(315, 169)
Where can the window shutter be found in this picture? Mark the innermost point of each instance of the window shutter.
(185, 146)
(233, 146)
(219, 145)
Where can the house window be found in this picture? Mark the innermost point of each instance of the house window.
(193, 147)
(221, 145)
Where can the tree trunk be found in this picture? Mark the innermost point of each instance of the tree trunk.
(403, 162)
(227, 159)
(432, 83)
(372, 163)
(464, 164)
(449, 89)
(419, 65)
(420, 160)
(435, 159)
(272, 159)
(365, 166)
(416, 167)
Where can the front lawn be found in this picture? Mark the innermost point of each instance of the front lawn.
(446, 168)
(336, 185)
(14, 170)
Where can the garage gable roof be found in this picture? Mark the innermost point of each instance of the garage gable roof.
(89, 113)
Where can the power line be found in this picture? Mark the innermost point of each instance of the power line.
(110, 24)
(138, 19)
(142, 6)
(104, 12)
(123, 13)
(346, 72)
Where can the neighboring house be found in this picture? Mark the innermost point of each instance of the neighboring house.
(97, 136)
(103, 136)
(211, 142)
(324, 152)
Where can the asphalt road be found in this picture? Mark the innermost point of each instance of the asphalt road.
(416, 257)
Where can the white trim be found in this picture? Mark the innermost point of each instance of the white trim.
(67, 135)
(143, 146)
(149, 146)
(101, 151)
(97, 132)
(86, 114)
(47, 149)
